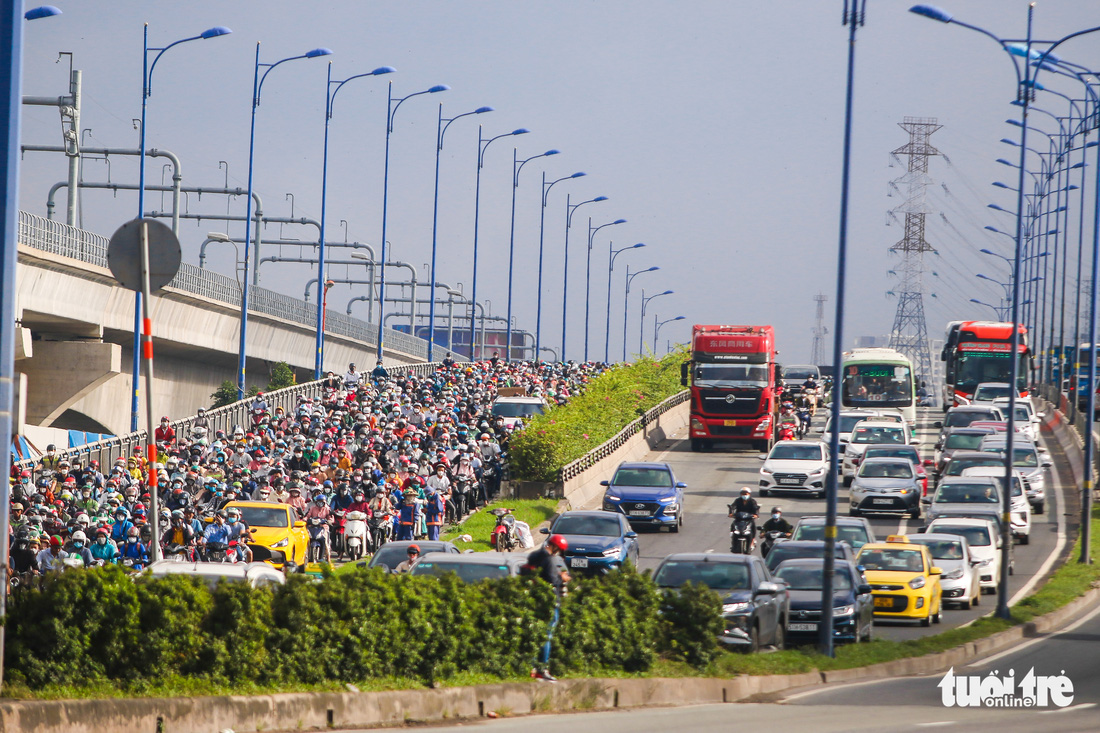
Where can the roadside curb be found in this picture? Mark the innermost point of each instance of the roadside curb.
(305, 711)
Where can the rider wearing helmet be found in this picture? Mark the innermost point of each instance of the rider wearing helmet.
(103, 549)
(78, 547)
(777, 523)
(745, 503)
(134, 549)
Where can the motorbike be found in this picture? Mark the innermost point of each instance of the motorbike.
(336, 532)
(742, 534)
(462, 496)
(177, 553)
(217, 552)
(788, 428)
(380, 526)
(768, 541)
(317, 528)
(804, 417)
(504, 537)
(356, 536)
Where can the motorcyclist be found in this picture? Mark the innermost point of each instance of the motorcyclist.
(78, 547)
(778, 524)
(379, 372)
(52, 556)
(240, 532)
(745, 503)
(103, 549)
(319, 509)
(134, 549)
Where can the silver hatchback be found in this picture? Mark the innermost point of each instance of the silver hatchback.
(888, 485)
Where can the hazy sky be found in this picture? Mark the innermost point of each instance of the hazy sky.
(714, 127)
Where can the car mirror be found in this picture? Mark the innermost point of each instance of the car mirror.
(975, 562)
(630, 535)
(1047, 463)
(605, 483)
(926, 500)
(937, 424)
(468, 552)
(763, 456)
(819, 430)
(766, 588)
(681, 485)
(545, 530)
(935, 571)
(914, 441)
(1040, 415)
(863, 589)
(299, 524)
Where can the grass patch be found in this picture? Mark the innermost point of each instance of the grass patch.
(480, 524)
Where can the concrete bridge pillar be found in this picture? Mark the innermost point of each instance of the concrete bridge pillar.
(60, 373)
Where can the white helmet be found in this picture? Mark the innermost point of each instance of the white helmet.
(79, 536)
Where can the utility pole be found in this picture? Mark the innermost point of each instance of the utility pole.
(817, 353)
(909, 334)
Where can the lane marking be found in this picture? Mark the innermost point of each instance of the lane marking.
(1032, 642)
(1059, 495)
(935, 724)
(1082, 706)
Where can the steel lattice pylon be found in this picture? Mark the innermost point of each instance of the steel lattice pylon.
(909, 334)
(817, 353)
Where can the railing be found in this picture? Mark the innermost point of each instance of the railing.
(1078, 418)
(220, 418)
(66, 241)
(602, 451)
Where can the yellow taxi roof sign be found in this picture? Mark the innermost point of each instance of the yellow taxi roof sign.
(904, 539)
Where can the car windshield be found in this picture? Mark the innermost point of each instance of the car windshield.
(878, 385)
(942, 549)
(799, 374)
(1026, 457)
(975, 367)
(517, 409)
(790, 450)
(1023, 414)
(731, 375)
(960, 419)
(1017, 489)
(255, 516)
(393, 555)
(906, 452)
(966, 494)
(957, 441)
(784, 551)
(854, 535)
(847, 423)
(958, 465)
(975, 536)
(714, 575)
(886, 469)
(647, 477)
(990, 392)
(810, 577)
(892, 559)
(593, 525)
(469, 572)
(876, 434)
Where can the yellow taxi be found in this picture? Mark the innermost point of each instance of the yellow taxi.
(903, 581)
(278, 536)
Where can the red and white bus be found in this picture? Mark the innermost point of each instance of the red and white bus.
(980, 351)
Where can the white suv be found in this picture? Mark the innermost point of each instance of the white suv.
(984, 541)
(1021, 507)
(795, 465)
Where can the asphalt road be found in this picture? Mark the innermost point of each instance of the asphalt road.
(714, 478)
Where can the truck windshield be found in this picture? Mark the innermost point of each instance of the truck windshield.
(977, 367)
(877, 385)
(731, 375)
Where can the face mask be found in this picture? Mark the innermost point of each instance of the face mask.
(744, 496)
(132, 540)
(101, 540)
(78, 545)
(775, 516)
(232, 520)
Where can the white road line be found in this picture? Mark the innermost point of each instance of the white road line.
(935, 724)
(1082, 706)
(1058, 545)
(1020, 647)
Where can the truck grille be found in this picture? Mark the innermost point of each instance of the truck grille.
(731, 430)
(716, 402)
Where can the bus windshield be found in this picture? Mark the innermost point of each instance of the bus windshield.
(877, 385)
(731, 375)
(976, 367)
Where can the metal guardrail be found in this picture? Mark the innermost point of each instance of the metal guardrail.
(66, 241)
(602, 451)
(220, 418)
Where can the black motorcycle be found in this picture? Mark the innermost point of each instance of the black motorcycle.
(742, 534)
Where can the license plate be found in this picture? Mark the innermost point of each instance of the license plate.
(729, 423)
(639, 513)
(801, 627)
(884, 603)
(882, 501)
(789, 481)
(578, 562)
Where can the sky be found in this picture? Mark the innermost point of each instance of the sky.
(713, 127)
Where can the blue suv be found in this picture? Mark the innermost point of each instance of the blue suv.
(599, 542)
(646, 494)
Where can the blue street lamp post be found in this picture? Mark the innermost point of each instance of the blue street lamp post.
(612, 255)
(626, 300)
(641, 319)
(517, 166)
(542, 233)
(440, 132)
(257, 88)
(391, 112)
(146, 90)
(588, 276)
(482, 146)
(330, 99)
(569, 209)
(657, 327)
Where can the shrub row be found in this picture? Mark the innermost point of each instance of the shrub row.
(611, 402)
(89, 627)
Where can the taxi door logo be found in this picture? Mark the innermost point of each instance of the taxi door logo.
(993, 691)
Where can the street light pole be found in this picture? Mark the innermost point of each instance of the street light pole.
(146, 90)
(657, 328)
(330, 99)
(626, 300)
(588, 276)
(569, 209)
(641, 320)
(612, 254)
(391, 112)
(517, 166)
(482, 146)
(542, 232)
(257, 88)
(440, 132)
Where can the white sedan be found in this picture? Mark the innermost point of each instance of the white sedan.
(796, 466)
(951, 553)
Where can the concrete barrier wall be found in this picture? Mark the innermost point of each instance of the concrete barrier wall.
(583, 491)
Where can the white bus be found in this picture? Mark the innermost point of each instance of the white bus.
(879, 378)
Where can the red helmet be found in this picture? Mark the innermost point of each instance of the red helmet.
(556, 540)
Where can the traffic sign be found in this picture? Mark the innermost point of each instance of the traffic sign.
(124, 254)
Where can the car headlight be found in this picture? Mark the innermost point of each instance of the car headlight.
(613, 552)
(728, 608)
(671, 508)
(952, 575)
(819, 471)
(282, 543)
(841, 611)
(917, 582)
(612, 497)
(767, 470)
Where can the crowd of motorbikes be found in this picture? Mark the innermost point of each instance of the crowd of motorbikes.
(373, 459)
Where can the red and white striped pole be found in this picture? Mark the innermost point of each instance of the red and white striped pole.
(151, 453)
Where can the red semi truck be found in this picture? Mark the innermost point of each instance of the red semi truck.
(735, 388)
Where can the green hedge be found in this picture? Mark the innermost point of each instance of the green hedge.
(95, 627)
(611, 402)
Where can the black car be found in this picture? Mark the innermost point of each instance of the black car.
(796, 549)
(853, 605)
(754, 606)
(392, 554)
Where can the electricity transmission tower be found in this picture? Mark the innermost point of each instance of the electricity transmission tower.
(909, 334)
(817, 353)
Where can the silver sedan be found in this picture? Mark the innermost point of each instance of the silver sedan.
(888, 485)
